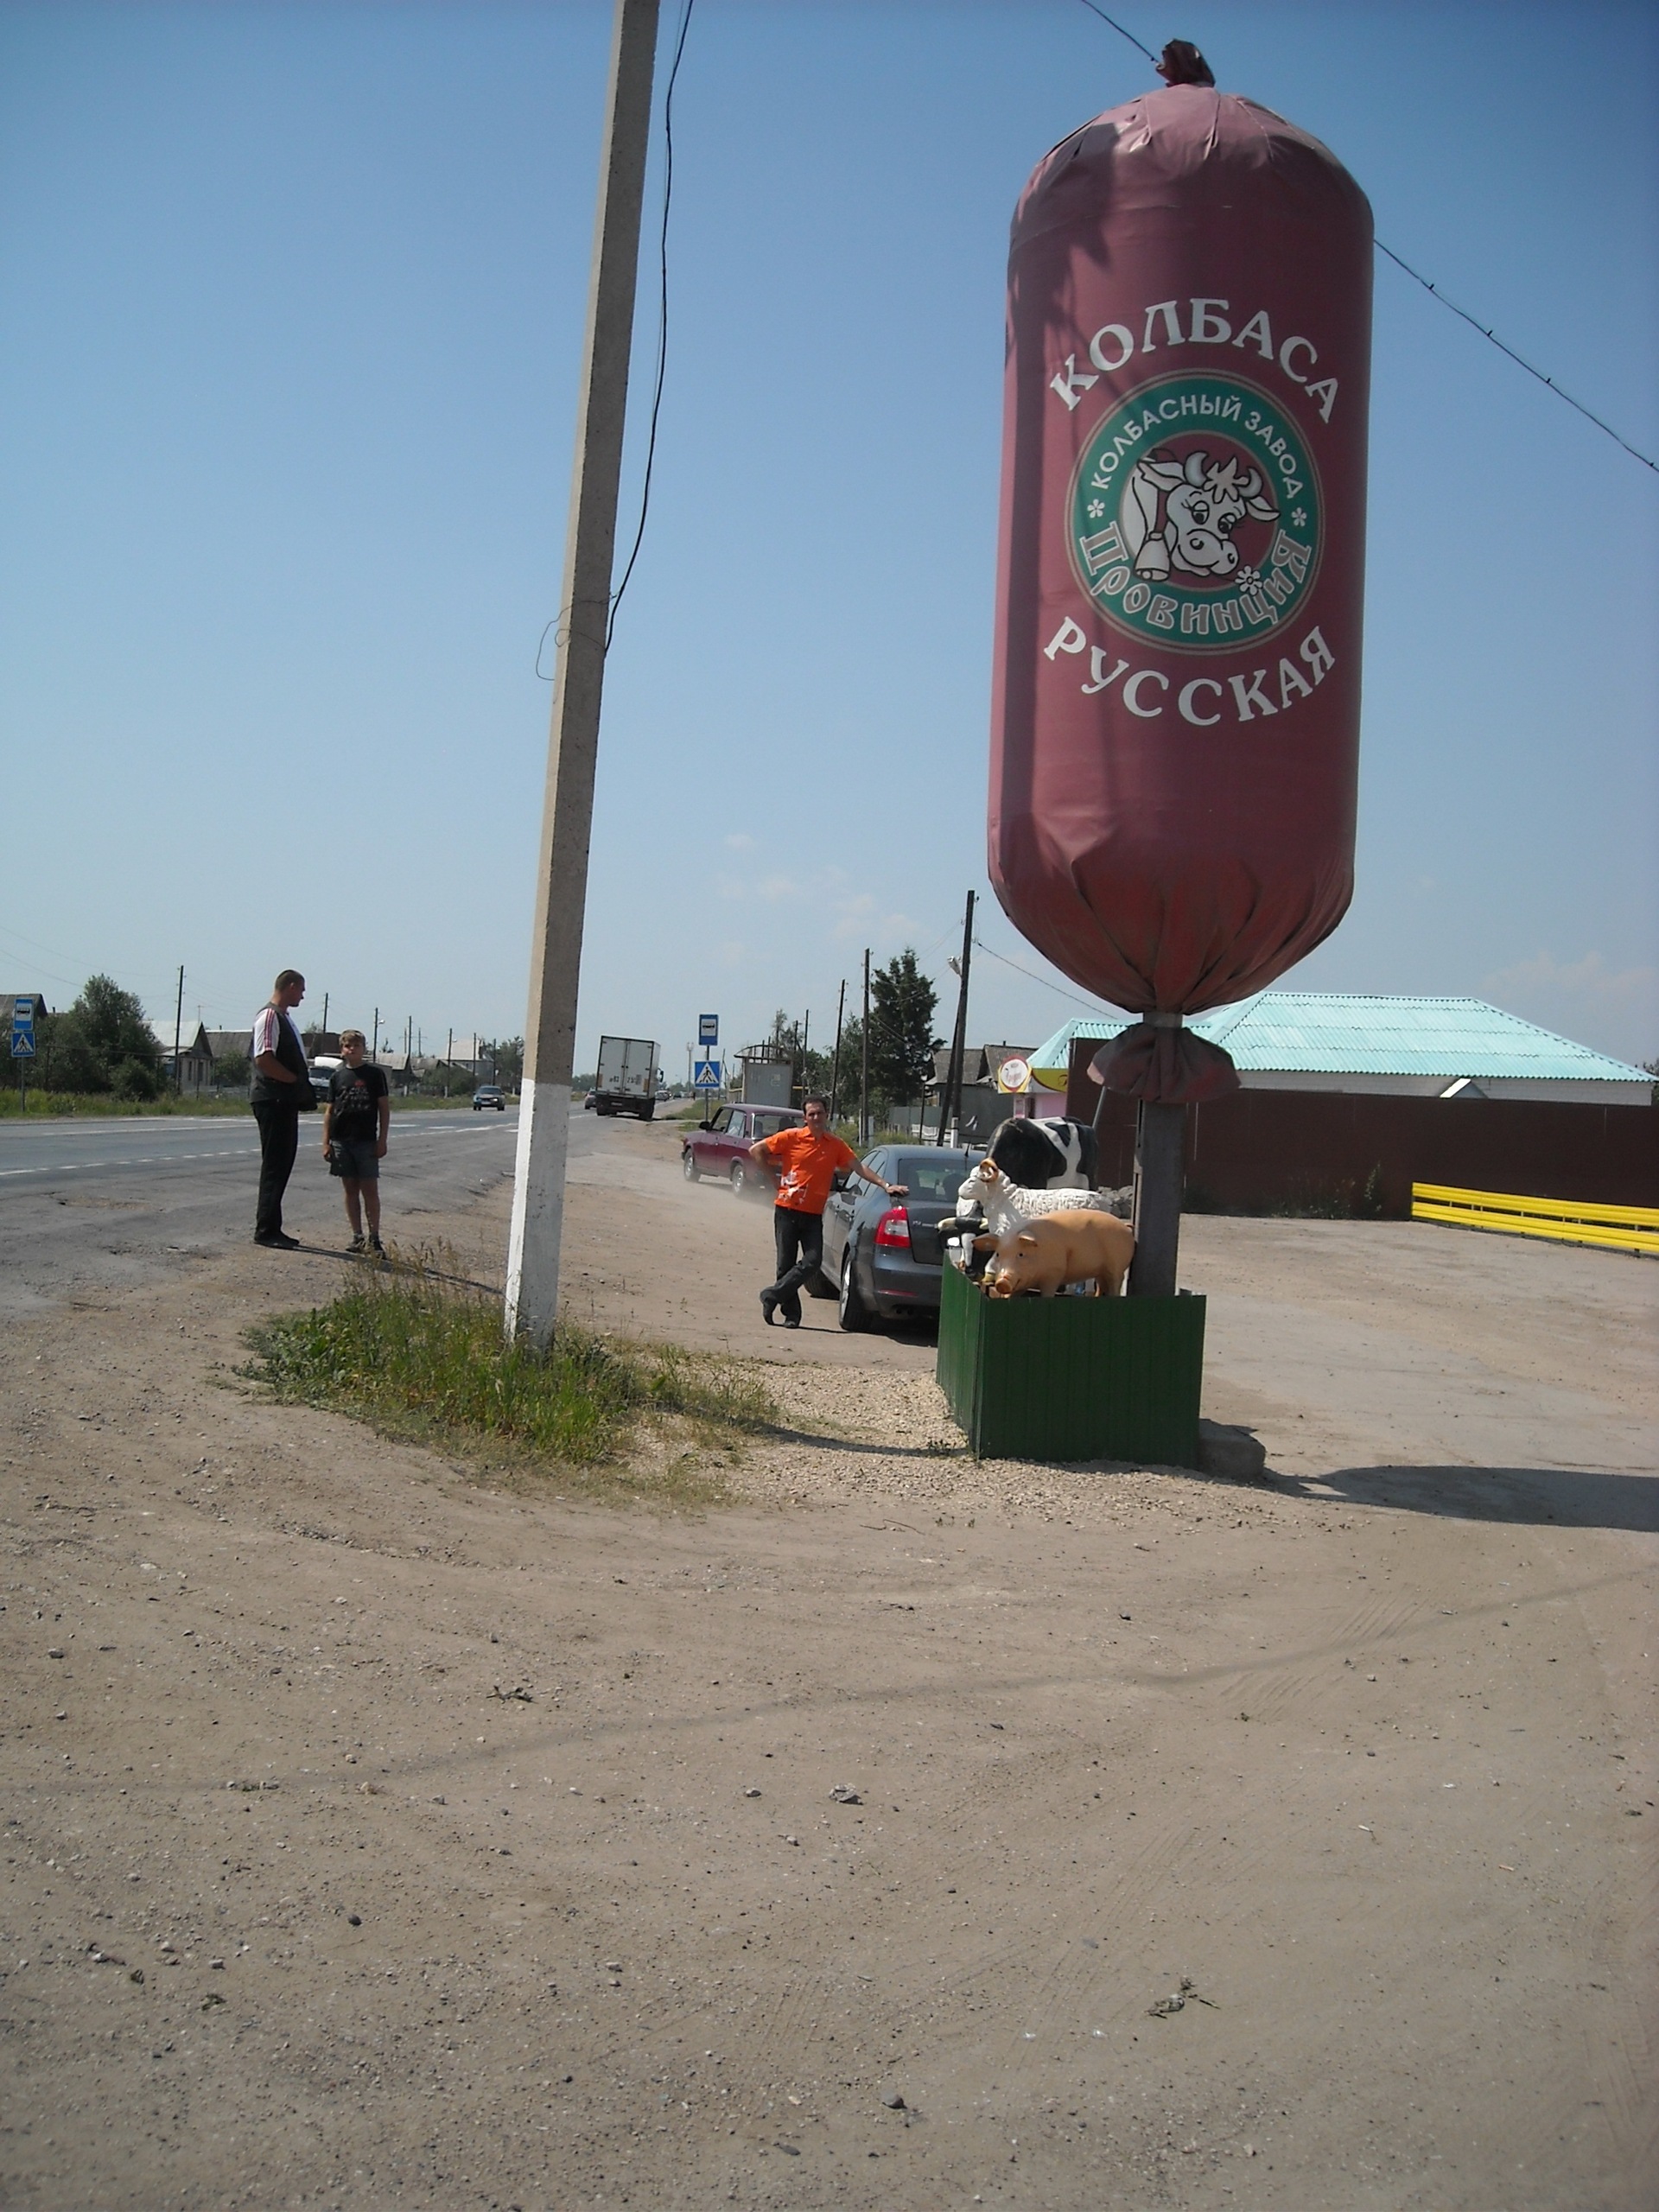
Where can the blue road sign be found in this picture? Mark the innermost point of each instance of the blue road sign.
(23, 1027)
(705, 1075)
(708, 1029)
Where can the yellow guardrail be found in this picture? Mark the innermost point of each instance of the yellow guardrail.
(1617, 1228)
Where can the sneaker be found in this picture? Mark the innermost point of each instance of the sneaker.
(358, 1245)
(377, 1247)
(768, 1308)
(278, 1243)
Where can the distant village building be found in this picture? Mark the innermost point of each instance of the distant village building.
(227, 1046)
(1365, 1045)
(194, 1068)
(985, 1103)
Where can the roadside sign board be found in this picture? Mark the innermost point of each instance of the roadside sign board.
(705, 1075)
(708, 1029)
(23, 1026)
(1014, 1075)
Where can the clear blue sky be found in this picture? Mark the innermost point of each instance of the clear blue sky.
(292, 300)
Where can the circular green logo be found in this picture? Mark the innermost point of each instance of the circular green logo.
(1195, 518)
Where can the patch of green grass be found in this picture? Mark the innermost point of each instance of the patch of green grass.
(420, 1358)
(104, 1105)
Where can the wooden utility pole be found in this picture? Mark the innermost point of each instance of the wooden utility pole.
(572, 741)
(835, 1063)
(864, 1067)
(951, 1099)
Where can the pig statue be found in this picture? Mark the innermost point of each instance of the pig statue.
(1057, 1249)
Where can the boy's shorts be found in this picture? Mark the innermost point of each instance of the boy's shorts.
(353, 1158)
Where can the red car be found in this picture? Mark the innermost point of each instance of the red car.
(721, 1146)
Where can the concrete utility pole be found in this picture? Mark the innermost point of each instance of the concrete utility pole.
(952, 1098)
(178, 1029)
(573, 741)
(864, 1066)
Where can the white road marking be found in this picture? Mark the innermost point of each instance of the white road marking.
(405, 1133)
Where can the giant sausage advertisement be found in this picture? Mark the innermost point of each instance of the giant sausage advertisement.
(1175, 721)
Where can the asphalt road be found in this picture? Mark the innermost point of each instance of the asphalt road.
(91, 1205)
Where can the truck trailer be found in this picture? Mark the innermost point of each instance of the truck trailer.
(627, 1076)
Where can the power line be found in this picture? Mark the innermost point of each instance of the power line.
(1093, 1005)
(1135, 43)
(556, 620)
(1519, 359)
(662, 321)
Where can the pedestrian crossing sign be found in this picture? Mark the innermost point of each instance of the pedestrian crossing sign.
(705, 1075)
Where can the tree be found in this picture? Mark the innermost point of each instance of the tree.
(902, 1043)
(102, 1044)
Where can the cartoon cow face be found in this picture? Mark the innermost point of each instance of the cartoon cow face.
(1203, 502)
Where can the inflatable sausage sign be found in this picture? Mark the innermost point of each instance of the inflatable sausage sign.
(1176, 706)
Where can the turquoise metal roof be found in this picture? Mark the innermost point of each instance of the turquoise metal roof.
(1321, 1033)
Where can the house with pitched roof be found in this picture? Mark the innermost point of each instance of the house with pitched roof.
(1376, 1046)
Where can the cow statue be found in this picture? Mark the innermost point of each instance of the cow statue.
(1043, 1155)
(1203, 502)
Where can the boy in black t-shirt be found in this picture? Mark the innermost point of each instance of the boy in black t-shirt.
(354, 1126)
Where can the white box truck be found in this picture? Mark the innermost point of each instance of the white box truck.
(627, 1076)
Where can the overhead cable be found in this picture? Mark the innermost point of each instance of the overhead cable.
(1519, 359)
(1059, 991)
(662, 318)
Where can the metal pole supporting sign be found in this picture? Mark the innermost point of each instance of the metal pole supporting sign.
(22, 1042)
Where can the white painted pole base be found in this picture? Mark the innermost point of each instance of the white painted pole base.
(538, 1210)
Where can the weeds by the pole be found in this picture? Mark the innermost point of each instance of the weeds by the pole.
(420, 1358)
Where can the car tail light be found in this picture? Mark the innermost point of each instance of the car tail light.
(892, 1231)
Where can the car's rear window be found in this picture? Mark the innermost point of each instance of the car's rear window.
(933, 1175)
(767, 1125)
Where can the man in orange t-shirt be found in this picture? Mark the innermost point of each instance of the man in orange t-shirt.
(806, 1161)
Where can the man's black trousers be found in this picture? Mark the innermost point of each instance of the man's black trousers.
(279, 1140)
(799, 1239)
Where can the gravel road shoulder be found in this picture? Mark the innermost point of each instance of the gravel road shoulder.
(376, 1837)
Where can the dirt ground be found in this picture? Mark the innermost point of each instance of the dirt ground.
(916, 1834)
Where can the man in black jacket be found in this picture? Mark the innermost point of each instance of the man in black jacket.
(282, 1092)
